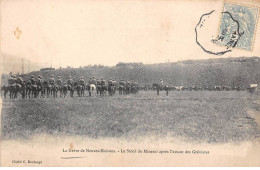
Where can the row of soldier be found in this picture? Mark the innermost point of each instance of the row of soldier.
(38, 85)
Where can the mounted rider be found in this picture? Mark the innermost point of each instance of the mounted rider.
(98, 82)
(39, 80)
(32, 80)
(103, 81)
(70, 83)
(14, 78)
(52, 80)
(114, 82)
(20, 80)
(122, 82)
(59, 82)
(10, 80)
(94, 80)
(81, 81)
(110, 82)
(161, 83)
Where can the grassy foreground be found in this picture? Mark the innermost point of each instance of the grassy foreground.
(194, 116)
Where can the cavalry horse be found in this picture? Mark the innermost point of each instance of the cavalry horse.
(71, 88)
(92, 89)
(5, 89)
(80, 89)
(111, 89)
(16, 88)
(160, 87)
(121, 89)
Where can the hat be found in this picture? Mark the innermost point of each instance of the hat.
(52, 75)
(32, 75)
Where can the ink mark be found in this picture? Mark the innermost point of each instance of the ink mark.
(200, 24)
(17, 33)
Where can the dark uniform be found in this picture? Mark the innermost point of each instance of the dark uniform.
(39, 81)
(94, 81)
(98, 82)
(33, 81)
(19, 80)
(11, 80)
(59, 81)
(110, 82)
(103, 82)
(81, 81)
(122, 83)
(52, 80)
(70, 81)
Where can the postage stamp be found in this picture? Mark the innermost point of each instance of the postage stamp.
(238, 26)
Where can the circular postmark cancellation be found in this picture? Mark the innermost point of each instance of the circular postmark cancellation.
(236, 30)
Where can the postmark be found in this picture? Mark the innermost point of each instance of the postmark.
(237, 26)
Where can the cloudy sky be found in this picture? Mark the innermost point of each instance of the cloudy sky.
(79, 33)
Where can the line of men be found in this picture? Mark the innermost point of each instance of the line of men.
(70, 81)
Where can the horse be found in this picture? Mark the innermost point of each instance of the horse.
(16, 88)
(5, 88)
(60, 89)
(121, 89)
(34, 90)
(54, 90)
(103, 89)
(134, 88)
(80, 89)
(71, 88)
(92, 89)
(64, 89)
(127, 88)
(28, 90)
(160, 87)
(111, 89)
(99, 89)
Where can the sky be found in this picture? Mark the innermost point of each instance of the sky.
(79, 33)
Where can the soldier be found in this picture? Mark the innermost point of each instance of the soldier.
(14, 78)
(103, 81)
(33, 81)
(90, 80)
(98, 82)
(59, 81)
(128, 83)
(94, 80)
(110, 82)
(161, 82)
(81, 81)
(19, 79)
(52, 80)
(70, 81)
(11, 80)
(114, 82)
(39, 80)
(122, 82)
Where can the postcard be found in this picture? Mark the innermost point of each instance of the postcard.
(127, 83)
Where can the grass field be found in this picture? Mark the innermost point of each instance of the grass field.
(213, 117)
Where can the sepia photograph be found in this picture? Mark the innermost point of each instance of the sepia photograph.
(130, 83)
